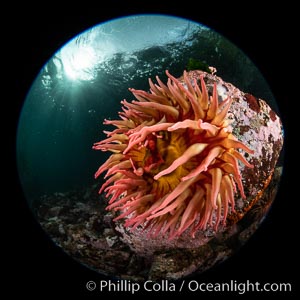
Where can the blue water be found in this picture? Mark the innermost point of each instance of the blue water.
(84, 82)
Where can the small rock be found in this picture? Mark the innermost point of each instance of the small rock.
(111, 240)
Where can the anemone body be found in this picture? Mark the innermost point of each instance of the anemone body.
(174, 165)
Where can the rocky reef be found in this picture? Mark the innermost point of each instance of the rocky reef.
(78, 222)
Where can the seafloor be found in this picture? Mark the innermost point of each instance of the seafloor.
(78, 223)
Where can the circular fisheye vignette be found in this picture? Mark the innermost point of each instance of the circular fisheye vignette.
(183, 158)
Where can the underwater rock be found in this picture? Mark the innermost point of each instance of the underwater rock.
(87, 239)
(254, 124)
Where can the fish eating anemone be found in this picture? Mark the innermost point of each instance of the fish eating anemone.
(175, 163)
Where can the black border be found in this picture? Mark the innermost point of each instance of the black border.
(36, 266)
